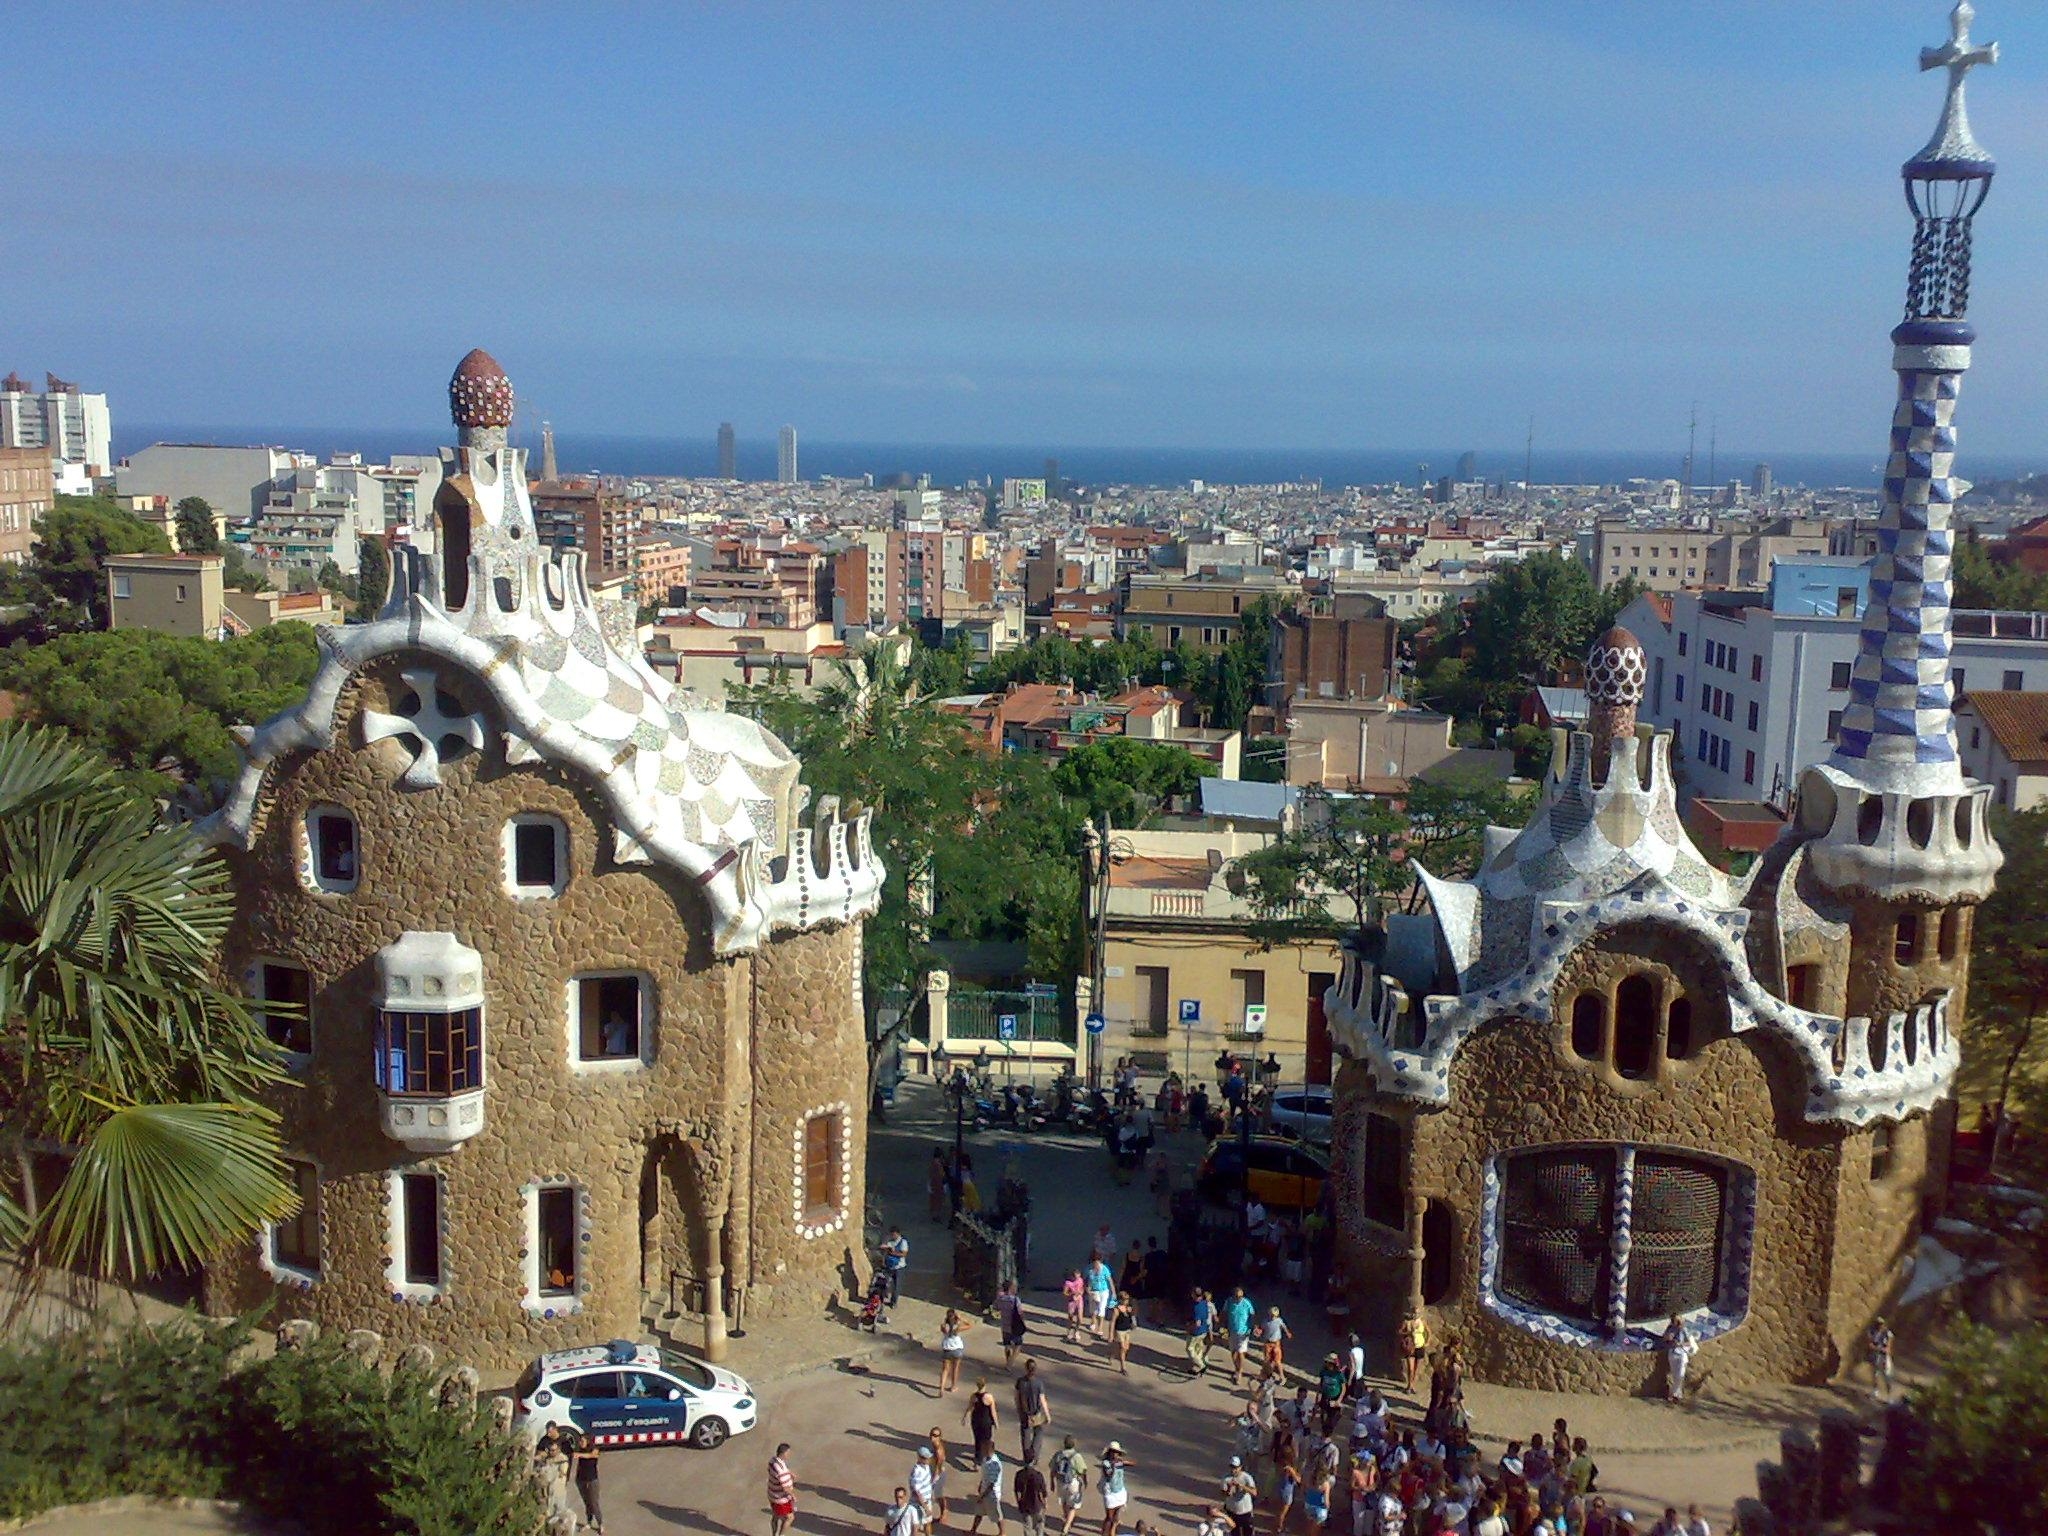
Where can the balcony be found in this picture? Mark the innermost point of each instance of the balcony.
(429, 1038)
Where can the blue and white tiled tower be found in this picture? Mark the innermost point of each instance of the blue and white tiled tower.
(1894, 814)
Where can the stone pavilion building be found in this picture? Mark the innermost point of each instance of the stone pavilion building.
(569, 977)
(1603, 1083)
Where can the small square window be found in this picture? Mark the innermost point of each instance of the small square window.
(331, 842)
(2013, 682)
(1834, 724)
(181, 591)
(536, 855)
(1838, 675)
(611, 1017)
(284, 999)
(123, 587)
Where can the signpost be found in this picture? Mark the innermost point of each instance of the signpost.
(1095, 1025)
(1190, 1021)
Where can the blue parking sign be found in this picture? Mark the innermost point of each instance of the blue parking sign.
(1191, 1011)
(1006, 1026)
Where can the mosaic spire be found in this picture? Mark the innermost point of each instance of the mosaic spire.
(1897, 733)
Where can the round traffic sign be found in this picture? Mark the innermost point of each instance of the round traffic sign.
(1097, 1024)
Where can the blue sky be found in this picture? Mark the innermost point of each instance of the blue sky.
(1362, 225)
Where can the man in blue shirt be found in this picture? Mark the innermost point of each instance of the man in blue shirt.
(1238, 1313)
(895, 1255)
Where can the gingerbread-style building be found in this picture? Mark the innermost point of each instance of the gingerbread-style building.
(1603, 1083)
(569, 980)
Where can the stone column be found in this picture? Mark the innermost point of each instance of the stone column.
(1418, 1206)
(938, 986)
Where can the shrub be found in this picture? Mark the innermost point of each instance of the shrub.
(310, 1434)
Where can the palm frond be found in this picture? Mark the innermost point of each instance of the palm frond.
(158, 1186)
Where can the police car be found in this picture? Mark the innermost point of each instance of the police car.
(623, 1393)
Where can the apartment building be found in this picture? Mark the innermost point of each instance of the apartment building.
(1375, 746)
(1322, 656)
(65, 424)
(581, 514)
(1200, 610)
(1176, 932)
(2004, 742)
(1753, 685)
(1677, 559)
(235, 482)
(26, 493)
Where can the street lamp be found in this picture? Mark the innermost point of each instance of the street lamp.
(1106, 851)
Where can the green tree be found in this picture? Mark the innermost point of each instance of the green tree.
(1982, 582)
(72, 543)
(1448, 817)
(1328, 872)
(2009, 963)
(161, 708)
(1127, 779)
(373, 578)
(1983, 1422)
(1533, 617)
(116, 1041)
(198, 533)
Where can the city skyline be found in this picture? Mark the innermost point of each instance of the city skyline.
(1320, 231)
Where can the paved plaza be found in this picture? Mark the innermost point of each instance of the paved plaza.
(855, 1421)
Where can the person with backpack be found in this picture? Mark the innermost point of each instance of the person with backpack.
(1069, 1481)
(1029, 1492)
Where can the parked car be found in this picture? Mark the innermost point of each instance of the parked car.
(1305, 1112)
(1284, 1173)
(633, 1394)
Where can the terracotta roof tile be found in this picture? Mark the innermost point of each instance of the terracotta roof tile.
(2019, 721)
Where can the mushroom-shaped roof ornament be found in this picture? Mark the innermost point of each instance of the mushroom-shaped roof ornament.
(479, 394)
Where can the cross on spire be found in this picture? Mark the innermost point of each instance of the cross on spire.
(1953, 148)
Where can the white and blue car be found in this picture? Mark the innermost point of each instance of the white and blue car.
(634, 1394)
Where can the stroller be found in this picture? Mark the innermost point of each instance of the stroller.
(875, 1310)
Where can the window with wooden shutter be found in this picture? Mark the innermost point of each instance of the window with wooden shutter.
(824, 1158)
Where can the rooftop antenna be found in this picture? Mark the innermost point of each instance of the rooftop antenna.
(1713, 450)
(1692, 441)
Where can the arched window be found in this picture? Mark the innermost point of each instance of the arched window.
(1906, 939)
(1439, 1252)
(1589, 1026)
(1951, 932)
(1380, 1186)
(1635, 1027)
(1882, 1146)
(1678, 1029)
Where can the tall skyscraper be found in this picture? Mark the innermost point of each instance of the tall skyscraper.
(548, 468)
(1468, 465)
(785, 456)
(1760, 481)
(728, 453)
(67, 423)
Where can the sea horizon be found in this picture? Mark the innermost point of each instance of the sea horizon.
(955, 464)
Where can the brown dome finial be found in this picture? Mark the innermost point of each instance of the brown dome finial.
(1616, 671)
(479, 394)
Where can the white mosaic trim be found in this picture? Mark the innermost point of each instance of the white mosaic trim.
(709, 794)
(1855, 1095)
(796, 1188)
(532, 1298)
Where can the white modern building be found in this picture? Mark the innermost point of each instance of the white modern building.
(235, 482)
(785, 456)
(71, 425)
(1753, 685)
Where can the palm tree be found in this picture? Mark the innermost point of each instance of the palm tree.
(120, 1052)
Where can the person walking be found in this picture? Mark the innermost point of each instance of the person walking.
(1878, 1342)
(952, 1350)
(583, 1469)
(895, 1256)
(1115, 1493)
(1074, 1292)
(1101, 1296)
(1240, 1497)
(902, 1518)
(1010, 1315)
(1286, 1482)
(1414, 1343)
(988, 1493)
(1315, 1498)
(937, 1187)
(1238, 1313)
(1069, 1481)
(980, 1419)
(1273, 1335)
(1034, 1412)
(936, 1444)
(1201, 1329)
(924, 1486)
(1028, 1491)
(782, 1492)
(1123, 1323)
